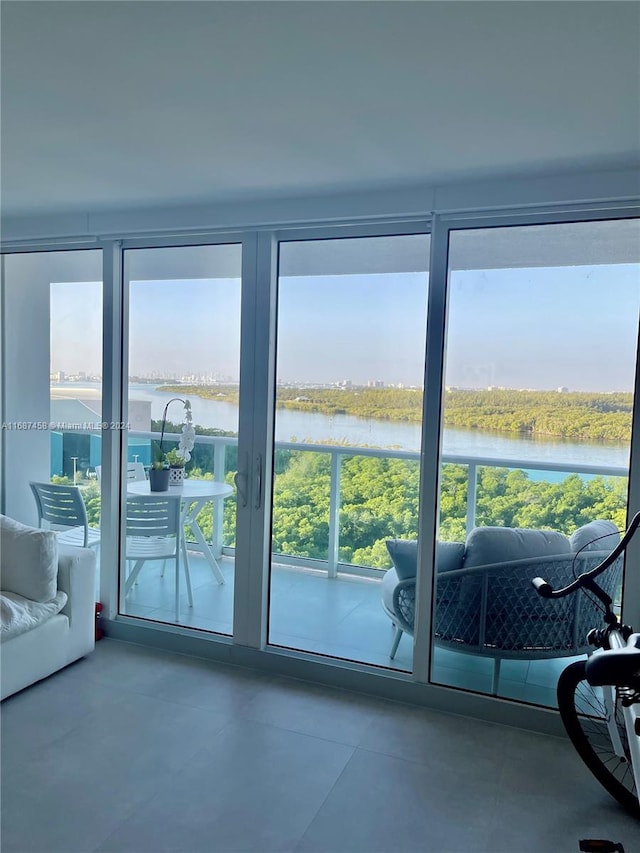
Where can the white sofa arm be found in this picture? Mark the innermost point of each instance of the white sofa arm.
(77, 577)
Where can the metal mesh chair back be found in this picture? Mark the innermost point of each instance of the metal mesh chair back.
(494, 610)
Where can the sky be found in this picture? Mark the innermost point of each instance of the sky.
(574, 327)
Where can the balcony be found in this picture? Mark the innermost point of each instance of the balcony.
(325, 606)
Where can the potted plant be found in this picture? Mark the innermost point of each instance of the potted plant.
(158, 473)
(176, 467)
(169, 467)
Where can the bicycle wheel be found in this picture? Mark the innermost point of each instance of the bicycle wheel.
(584, 716)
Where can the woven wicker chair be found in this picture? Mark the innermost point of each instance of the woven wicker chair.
(494, 610)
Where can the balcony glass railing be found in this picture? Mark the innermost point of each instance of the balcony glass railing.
(363, 496)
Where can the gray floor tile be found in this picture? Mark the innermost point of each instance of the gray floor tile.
(111, 664)
(191, 620)
(335, 715)
(72, 793)
(381, 803)
(255, 787)
(36, 823)
(547, 800)
(204, 684)
(466, 679)
(531, 693)
(46, 711)
(549, 803)
(441, 741)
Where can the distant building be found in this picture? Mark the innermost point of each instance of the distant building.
(77, 431)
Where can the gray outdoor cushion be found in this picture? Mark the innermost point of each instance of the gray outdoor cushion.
(583, 538)
(449, 556)
(489, 545)
(404, 554)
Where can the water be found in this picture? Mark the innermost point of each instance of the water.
(312, 427)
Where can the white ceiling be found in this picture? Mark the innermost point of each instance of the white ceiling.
(109, 105)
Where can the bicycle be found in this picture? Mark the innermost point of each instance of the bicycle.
(599, 698)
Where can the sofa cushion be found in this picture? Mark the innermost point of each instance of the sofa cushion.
(583, 538)
(28, 560)
(404, 555)
(19, 615)
(489, 545)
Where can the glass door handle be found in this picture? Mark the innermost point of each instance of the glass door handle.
(241, 480)
(258, 481)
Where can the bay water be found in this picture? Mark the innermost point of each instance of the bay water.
(338, 429)
(371, 432)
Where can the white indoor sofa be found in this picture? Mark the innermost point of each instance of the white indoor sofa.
(47, 604)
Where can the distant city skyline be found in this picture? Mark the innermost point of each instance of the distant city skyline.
(61, 378)
(573, 327)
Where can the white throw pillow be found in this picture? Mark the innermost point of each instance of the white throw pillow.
(28, 560)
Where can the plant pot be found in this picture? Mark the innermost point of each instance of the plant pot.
(159, 479)
(176, 475)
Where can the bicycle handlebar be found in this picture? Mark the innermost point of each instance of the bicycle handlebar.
(545, 589)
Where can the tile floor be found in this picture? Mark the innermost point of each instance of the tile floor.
(137, 750)
(342, 618)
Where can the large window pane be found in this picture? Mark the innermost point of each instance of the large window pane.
(351, 329)
(542, 333)
(184, 347)
(52, 377)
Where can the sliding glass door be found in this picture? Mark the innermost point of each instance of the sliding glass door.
(526, 455)
(183, 367)
(351, 330)
(540, 360)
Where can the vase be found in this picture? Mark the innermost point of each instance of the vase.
(176, 475)
(158, 479)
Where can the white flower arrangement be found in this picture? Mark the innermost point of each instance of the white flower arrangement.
(182, 454)
(188, 437)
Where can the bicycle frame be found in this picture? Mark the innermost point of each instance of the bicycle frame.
(611, 639)
(630, 715)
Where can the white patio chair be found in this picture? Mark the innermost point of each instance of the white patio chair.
(154, 533)
(62, 509)
(135, 471)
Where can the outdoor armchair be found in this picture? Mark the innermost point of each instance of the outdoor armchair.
(493, 610)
